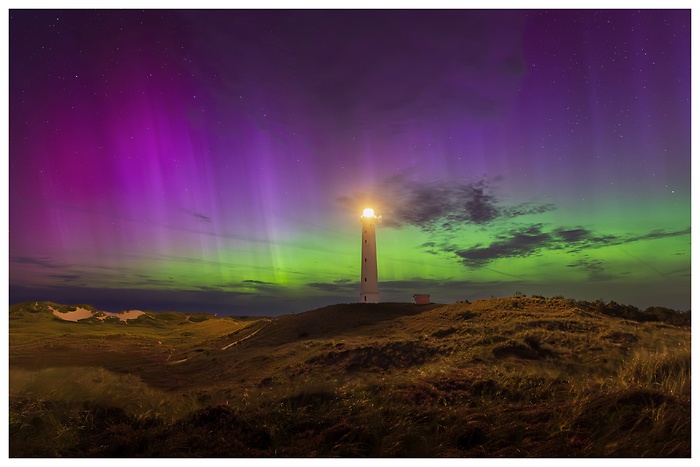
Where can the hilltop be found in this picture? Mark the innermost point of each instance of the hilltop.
(516, 376)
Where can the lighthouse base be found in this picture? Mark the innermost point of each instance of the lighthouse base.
(369, 297)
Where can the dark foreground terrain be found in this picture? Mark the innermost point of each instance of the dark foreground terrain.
(510, 377)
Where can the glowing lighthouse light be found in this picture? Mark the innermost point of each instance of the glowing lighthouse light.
(369, 284)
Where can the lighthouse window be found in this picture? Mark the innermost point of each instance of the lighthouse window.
(365, 241)
(365, 279)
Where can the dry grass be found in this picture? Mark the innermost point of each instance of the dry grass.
(508, 377)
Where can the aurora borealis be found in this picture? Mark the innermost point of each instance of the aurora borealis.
(219, 160)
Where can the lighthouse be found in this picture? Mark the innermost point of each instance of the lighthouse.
(369, 285)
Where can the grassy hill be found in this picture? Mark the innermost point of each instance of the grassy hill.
(503, 377)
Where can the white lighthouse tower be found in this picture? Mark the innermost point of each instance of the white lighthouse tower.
(369, 285)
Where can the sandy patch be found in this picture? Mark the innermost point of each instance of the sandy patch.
(123, 315)
(78, 314)
(82, 313)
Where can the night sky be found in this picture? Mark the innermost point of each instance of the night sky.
(219, 161)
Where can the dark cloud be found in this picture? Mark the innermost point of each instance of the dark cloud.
(196, 215)
(160, 282)
(441, 206)
(594, 267)
(208, 288)
(430, 248)
(519, 243)
(572, 235)
(529, 240)
(65, 277)
(201, 217)
(263, 287)
(660, 234)
(338, 286)
(35, 261)
(479, 206)
(527, 209)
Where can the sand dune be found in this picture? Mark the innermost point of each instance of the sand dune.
(83, 313)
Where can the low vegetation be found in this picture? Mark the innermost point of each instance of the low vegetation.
(503, 377)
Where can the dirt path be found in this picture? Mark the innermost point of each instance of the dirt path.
(267, 323)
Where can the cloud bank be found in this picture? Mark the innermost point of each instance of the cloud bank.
(443, 209)
(530, 240)
(441, 205)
